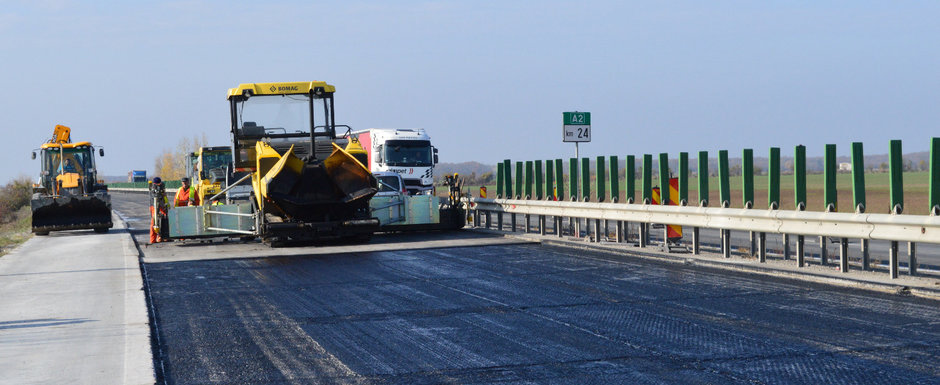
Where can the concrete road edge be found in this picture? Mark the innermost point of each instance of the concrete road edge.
(138, 352)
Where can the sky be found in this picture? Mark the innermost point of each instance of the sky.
(487, 80)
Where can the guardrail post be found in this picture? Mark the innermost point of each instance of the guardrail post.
(539, 185)
(724, 181)
(539, 180)
(773, 178)
(896, 177)
(664, 192)
(858, 194)
(507, 177)
(647, 179)
(550, 180)
(773, 191)
(893, 259)
(550, 187)
(647, 196)
(573, 178)
(683, 179)
(934, 189)
(614, 169)
(519, 168)
(585, 180)
(600, 178)
(574, 223)
(629, 196)
(528, 180)
(663, 178)
(829, 195)
(703, 178)
(499, 180)
(600, 182)
(559, 193)
(528, 193)
(586, 189)
(724, 192)
(912, 262)
(747, 178)
(747, 190)
(702, 196)
(799, 196)
(895, 167)
(844, 255)
(858, 177)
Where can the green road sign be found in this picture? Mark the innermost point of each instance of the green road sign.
(577, 118)
(576, 127)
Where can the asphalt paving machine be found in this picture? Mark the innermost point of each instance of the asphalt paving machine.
(68, 195)
(305, 185)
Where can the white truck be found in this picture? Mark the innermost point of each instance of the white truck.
(406, 151)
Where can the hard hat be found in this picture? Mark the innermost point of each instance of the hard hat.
(157, 180)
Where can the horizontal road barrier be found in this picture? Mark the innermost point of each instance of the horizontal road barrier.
(905, 228)
(865, 226)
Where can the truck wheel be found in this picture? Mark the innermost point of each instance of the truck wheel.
(101, 230)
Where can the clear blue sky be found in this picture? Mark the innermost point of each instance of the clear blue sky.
(488, 80)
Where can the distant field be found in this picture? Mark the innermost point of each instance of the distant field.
(876, 191)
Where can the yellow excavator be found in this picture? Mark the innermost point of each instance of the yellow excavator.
(68, 195)
(305, 186)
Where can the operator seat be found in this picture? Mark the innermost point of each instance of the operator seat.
(252, 129)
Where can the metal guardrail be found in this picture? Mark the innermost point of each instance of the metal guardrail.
(865, 226)
(905, 228)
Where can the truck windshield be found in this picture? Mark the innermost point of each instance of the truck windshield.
(286, 113)
(415, 153)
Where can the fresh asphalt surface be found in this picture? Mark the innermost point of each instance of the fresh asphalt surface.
(522, 313)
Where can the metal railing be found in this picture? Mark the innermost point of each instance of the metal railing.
(864, 226)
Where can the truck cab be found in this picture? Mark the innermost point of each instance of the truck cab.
(406, 151)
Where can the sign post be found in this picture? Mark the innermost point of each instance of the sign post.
(576, 127)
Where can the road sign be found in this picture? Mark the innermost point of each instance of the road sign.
(576, 127)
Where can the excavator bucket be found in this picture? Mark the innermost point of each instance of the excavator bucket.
(55, 213)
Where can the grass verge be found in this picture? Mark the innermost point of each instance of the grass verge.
(16, 231)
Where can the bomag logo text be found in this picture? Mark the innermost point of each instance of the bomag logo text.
(288, 88)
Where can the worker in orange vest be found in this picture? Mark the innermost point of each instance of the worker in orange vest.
(186, 196)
